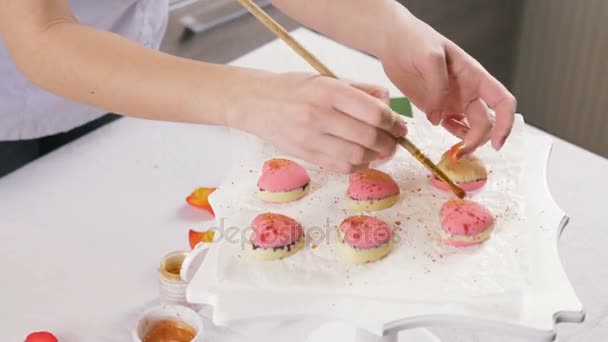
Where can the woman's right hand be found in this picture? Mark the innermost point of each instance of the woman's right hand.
(335, 124)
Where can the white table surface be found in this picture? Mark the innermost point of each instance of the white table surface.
(82, 229)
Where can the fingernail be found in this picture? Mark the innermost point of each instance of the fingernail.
(500, 143)
(386, 96)
(457, 151)
(503, 140)
(399, 128)
(435, 117)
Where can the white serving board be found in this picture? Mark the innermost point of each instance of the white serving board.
(546, 299)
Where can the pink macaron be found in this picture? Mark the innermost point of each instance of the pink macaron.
(465, 223)
(371, 190)
(282, 180)
(275, 236)
(364, 239)
(468, 172)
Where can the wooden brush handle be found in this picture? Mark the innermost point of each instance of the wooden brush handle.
(280, 32)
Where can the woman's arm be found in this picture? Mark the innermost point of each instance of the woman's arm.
(329, 122)
(105, 70)
(362, 24)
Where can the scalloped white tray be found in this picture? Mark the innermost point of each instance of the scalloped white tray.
(547, 299)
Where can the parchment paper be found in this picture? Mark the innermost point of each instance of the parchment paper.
(419, 268)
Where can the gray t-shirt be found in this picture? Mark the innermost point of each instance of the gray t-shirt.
(27, 111)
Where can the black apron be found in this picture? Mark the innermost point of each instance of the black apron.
(14, 154)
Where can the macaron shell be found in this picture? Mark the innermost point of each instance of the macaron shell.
(283, 196)
(464, 170)
(271, 230)
(371, 184)
(464, 217)
(282, 175)
(357, 256)
(269, 254)
(466, 186)
(364, 232)
(372, 205)
(464, 240)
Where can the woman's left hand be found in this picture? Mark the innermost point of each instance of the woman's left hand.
(451, 87)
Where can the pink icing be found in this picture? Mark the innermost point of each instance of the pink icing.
(466, 186)
(371, 184)
(464, 217)
(272, 230)
(282, 175)
(365, 231)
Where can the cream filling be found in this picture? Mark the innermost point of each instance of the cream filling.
(357, 256)
(372, 205)
(283, 196)
(445, 236)
(267, 254)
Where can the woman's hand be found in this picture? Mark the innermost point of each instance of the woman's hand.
(332, 123)
(451, 87)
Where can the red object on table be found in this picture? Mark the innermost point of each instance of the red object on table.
(41, 336)
(199, 198)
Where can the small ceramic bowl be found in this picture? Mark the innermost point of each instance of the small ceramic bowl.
(172, 287)
(168, 312)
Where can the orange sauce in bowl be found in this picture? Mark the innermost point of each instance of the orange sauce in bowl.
(170, 330)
